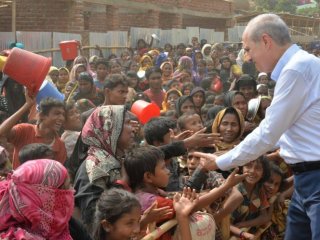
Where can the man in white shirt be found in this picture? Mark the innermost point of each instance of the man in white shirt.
(292, 121)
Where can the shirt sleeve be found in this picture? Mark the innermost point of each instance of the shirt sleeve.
(285, 109)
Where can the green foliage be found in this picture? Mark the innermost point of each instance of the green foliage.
(288, 6)
(308, 11)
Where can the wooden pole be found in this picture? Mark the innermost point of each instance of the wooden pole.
(14, 13)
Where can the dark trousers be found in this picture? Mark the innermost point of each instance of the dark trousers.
(303, 220)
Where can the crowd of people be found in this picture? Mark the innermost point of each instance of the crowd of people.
(86, 168)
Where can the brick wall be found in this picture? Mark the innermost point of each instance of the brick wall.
(77, 15)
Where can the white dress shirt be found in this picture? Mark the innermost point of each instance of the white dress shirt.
(293, 118)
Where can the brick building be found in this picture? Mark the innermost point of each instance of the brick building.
(77, 16)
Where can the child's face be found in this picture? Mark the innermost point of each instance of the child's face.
(218, 101)
(226, 64)
(210, 66)
(115, 68)
(201, 67)
(229, 128)
(255, 172)
(192, 163)
(186, 78)
(187, 106)
(126, 227)
(102, 71)
(133, 81)
(175, 85)
(198, 99)
(161, 175)
(272, 186)
(194, 123)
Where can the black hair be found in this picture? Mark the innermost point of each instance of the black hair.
(210, 98)
(47, 104)
(245, 80)
(151, 70)
(186, 86)
(181, 45)
(206, 83)
(139, 161)
(157, 128)
(86, 77)
(114, 80)
(266, 169)
(132, 74)
(102, 61)
(111, 206)
(277, 170)
(34, 151)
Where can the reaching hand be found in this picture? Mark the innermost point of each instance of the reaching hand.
(235, 178)
(183, 135)
(207, 160)
(201, 139)
(153, 213)
(185, 203)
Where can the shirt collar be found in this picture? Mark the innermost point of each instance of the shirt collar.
(283, 61)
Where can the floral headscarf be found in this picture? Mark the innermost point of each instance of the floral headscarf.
(32, 205)
(101, 133)
(215, 129)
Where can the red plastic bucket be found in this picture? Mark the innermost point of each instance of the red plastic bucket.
(27, 68)
(69, 49)
(145, 110)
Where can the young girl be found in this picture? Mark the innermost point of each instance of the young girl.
(118, 214)
(198, 98)
(63, 79)
(278, 209)
(252, 211)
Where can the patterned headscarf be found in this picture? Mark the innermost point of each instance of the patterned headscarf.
(143, 66)
(215, 129)
(101, 133)
(165, 79)
(32, 205)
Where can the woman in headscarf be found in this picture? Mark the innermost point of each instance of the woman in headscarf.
(237, 99)
(167, 72)
(36, 202)
(184, 104)
(229, 122)
(63, 79)
(145, 63)
(198, 98)
(170, 98)
(206, 50)
(185, 64)
(107, 133)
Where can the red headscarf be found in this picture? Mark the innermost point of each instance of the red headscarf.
(32, 205)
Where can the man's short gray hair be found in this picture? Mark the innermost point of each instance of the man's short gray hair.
(270, 24)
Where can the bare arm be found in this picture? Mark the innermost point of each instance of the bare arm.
(262, 219)
(232, 203)
(8, 124)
